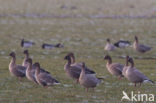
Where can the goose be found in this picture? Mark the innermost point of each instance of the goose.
(114, 68)
(16, 70)
(73, 71)
(140, 47)
(26, 44)
(88, 80)
(79, 65)
(122, 44)
(26, 53)
(125, 67)
(30, 71)
(51, 46)
(44, 79)
(134, 75)
(109, 46)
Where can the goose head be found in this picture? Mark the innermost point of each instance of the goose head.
(12, 54)
(127, 57)
(107, 57)
(67, 57)
(136, 38)
(130, 60)
(25, 52)
(43, 45)
(29, 60)
(108, 40)
(22, 42)
(59, 45)
(83, 65)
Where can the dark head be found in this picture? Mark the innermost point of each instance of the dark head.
(108, 40)
(136, 38)
(107, 57)
(58, 45)
(22, 42)
(29, 60)
(25, 52)
(131, 61)
(37, 64)
(67, 57)
(12, 54)
(43, 46)
(83, 65)
(71, 54)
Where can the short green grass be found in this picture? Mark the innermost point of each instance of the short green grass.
(86, 37)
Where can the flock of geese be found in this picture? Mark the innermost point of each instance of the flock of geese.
(82, 74)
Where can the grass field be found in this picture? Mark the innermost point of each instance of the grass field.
(86, 37)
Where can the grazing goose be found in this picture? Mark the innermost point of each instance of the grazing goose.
(71, 70)
(114, 68)
(78, 65)
(140, 47)
(134, 75)
(122, 44)
(26, 44)
(30, 71)
(88, 80)
(26, 53)
(125, 67)
(51, 46)
(16, 70)
(109, 46)
(44, 78)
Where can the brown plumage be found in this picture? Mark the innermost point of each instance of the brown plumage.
(16, 70)
(109, 46)
(140, 47)
(114, 68)
(44, 78)
(26, 53)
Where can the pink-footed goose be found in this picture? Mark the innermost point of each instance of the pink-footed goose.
(114, 68)
(16, 70)
(79, 65)
(109, 46)
(44, 79)
(140, 47)
(88, 80)
(26, 53)
(30, 71)
(134, 75)
(71, 70)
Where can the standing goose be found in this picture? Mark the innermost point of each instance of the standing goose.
(88, 80)
(122, 44)
(140, 47)
(125, 67)
(44, 78)
(71, 70)
(51, 46)
(134, 75)
(79, 65)
(26, 44)
(26, 53)
(30, 71)
(16, 70)
(109, 46)
(114, 68)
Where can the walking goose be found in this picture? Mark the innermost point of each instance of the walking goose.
(88, 80)
(26, 53)
(26, 44)
(122, 44)
(140, 47)
(79, 65)
(134, 75)
(16, 70)
(44, 79)
(30, 71)
(71, 70)
(51, 46)
(109, 46)
(114, 68)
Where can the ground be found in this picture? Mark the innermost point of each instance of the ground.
(85, 35)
